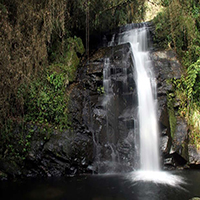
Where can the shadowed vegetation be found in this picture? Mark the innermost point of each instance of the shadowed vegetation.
(178, 27)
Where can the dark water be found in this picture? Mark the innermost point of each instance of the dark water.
(100, 187)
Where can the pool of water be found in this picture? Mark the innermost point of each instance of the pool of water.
(102, 187)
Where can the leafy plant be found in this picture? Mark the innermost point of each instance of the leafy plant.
(101, 90)
(192, 81)
(46, 100)
(15, 141)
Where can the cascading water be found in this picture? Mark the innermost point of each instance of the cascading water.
(144, 125)
(129, 110)
(128, 83)
(146, 89)
(147, 110)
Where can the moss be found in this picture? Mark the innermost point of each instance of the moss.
(171, 112)
(184, 152)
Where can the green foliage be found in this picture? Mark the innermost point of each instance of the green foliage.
(15, 141)
(76, 44)
(46, 99)
(193, 116)
(178, 28)
(162, 36)
(68, 61)
(26, 29)
(188, 92)
(189, 107)
(38, 62)
(101, 90)
(104, 15)
(16, 138)
(192, 81)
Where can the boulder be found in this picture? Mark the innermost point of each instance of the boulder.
(180, 139)
(65, 153)
(194, 155)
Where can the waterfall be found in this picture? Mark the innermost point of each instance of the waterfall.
(146, 90)
(129, 136)
(146, 93)
(147, 109)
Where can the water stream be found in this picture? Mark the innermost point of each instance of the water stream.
(146, 92)
(140, 117)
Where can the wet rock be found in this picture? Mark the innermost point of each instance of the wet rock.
(163, 116)
(174, 148)
(168, 164)
(194, 155)
(76, 105)
(95, 68)
(164, 144)
(9, 169)
(178, 147)
(166, 65)
(65, 153)
(180, 139)
(110, 148)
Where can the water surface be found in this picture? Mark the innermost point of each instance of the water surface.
(100, 187)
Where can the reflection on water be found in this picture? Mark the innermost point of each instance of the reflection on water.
(106, 187)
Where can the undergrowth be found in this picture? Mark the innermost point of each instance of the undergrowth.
(178, 28)
(45, 104)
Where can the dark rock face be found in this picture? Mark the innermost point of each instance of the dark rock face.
(194, 156)
(65, 153)
(166, 66)
(164, 62)
(177, 150)
(115, 111)
(180, 139)
(113, 151)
